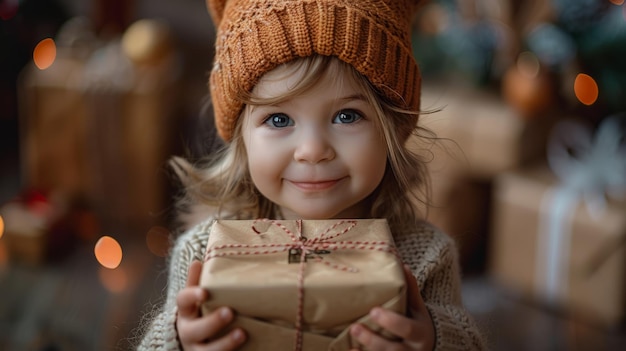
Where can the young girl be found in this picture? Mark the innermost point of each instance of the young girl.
(315, 100)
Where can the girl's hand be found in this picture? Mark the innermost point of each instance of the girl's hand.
(197, 332)
(415, 332)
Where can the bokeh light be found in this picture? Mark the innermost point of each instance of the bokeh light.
(528, 64)
(586, 89)
(108, 252)
(114, 280)
(45, 53)
(157, 240)
(1, 226)
(434, 19)
(8, 9)
(617, 2)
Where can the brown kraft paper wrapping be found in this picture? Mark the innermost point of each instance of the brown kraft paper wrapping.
(596, 279)
(351, 267)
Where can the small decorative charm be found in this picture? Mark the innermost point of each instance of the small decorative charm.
(294, 255)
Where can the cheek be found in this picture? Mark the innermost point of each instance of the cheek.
(368, 157)
(264, 163)
(260, 167)
(374, 166)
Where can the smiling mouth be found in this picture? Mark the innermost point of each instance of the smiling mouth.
(315, 186)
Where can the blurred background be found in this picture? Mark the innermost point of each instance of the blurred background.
(529, 174)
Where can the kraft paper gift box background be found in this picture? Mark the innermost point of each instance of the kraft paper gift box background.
(251, 273)
(481, 135)
(593, 283)
(99, 126)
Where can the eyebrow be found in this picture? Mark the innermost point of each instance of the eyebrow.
(353, 97)
(357, 96)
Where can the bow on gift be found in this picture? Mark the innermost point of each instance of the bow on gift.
(590, 167)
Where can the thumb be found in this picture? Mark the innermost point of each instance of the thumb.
(193, 278)
(416, 303)
(189, 299)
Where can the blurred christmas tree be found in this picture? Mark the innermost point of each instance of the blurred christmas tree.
(493, 44)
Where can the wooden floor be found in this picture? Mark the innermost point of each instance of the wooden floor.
(66, 306)
(511, 322)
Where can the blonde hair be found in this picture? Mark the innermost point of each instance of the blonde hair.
(223, 183)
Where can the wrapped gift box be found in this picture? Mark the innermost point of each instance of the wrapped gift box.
(593, 281)
(52, 126)
(480, 135)
(255, 268)
(100, 126)
(38, 228)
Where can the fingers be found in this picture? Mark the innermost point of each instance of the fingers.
(195, 269)
(415, 331)
(396, 324)
(201, 329)
(416, 303)
(420, 315)
(197, 332)
(228, 342)
(375, 342)
(191, 297)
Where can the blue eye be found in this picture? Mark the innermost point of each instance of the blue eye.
(347, 116)
(279, 120)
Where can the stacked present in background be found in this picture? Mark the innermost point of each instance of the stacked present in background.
(44, 227)
(480, 137)
(97, 123)
(531, 67)
(465, 49)
(560, 232)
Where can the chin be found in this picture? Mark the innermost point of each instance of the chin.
(316, 215)
(309, 213)
(322, 213)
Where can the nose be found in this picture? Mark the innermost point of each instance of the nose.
(314, 148)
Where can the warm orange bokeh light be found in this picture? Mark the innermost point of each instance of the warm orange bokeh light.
(45, 53)
(528, 64)
(586, 89)
(114, 280)
(1, 226)
(617, 2)
(108, 252)
(157, 240)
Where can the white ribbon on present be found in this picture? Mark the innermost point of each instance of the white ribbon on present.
(590, 167)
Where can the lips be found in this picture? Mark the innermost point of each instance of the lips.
(315, 185)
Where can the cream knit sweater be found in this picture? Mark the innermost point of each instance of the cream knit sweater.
(431, 255)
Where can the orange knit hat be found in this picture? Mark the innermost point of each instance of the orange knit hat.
(255, 36)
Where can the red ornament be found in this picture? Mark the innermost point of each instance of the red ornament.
(526, 88)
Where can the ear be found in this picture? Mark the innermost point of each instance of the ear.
(216, 10)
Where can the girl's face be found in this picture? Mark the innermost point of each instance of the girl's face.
(317, 155)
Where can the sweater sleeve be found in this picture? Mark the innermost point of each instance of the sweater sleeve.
(433, 259)
(161, 333)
